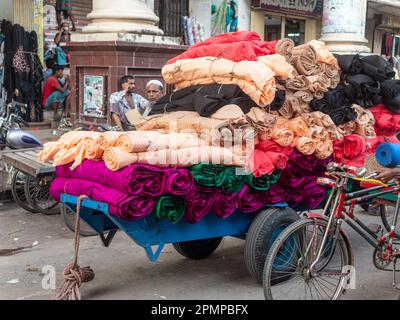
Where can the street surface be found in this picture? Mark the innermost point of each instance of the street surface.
(124, 272)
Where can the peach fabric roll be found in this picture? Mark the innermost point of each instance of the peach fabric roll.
(283, 137)
(50, 149)
(277, 63)
(136, 141)
(253, 77)
(306, 146)
(298, 126)
(116, 158)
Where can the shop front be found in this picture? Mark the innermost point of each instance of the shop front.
(277, 19)
(383, 28)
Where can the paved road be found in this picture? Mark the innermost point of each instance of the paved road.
(124, 272)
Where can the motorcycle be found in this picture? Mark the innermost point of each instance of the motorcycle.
(30, 193)
(11, 134)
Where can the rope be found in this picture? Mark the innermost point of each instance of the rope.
(73, 274)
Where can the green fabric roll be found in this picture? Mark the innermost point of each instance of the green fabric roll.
(171, 208)
(208, 175)
(265, 182)
(234, 182)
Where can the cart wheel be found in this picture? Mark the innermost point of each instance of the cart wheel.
(37, 191)
(18, 183)
(264, 230)
(70, 218)
(198, 249)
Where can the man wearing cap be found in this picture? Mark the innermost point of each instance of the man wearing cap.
(125, 100)
(155, 91)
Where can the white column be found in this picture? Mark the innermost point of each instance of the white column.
(344, 25)
(122, 16)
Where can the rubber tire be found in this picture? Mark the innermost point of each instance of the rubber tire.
(23, 203)
(85, 230)
(197, 249)
(54, 209)
(259, 236)
(284, 235)
(382, 210)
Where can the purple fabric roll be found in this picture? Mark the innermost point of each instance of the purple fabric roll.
(313, 194)
(290, 179)
(274, 195)
(128, 207)
(225, 204)
(178, 182)
(251, 200)
(199, 202)
(141, 180)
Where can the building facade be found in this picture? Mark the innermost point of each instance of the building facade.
(383, 27)
(300, 21)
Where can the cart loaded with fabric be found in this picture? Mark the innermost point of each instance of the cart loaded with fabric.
(242, 139)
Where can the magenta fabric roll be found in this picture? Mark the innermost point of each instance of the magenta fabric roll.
(141, 180)
(178, 182)
(313, 194)
(251, 200)
(128, 207)
(274, 195)
(199, 202)
(225, 204)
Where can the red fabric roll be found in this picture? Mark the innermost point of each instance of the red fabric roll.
(236, 46)
(387, 123)
(351, 150)
(267, 157)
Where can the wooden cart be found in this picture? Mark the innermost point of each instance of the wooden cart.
(29, 180)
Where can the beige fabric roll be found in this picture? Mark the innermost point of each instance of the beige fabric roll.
(277, 63)
(253, 77)
(306, 146)
(116, 159)
(136, 141)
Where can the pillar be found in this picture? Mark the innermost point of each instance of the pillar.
(344, 26)
(132, 16)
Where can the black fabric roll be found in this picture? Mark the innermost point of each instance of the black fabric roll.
(350, 64)
(279, 100)
(333, 99)
(343, 115)
(204, 99)
(377, 68)
(391, 95)
(362, 90)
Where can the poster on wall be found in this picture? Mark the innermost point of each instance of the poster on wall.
(224, 16)
(93, 96)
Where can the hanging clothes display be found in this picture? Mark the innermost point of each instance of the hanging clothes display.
(23, 69)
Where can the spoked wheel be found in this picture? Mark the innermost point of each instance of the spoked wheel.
(69, 217)
(18, 182)
(37, 191)
(287, 272)
(388, 215)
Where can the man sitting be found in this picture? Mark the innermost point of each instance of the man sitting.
(125, 100)
(154, 89)
(55, 92)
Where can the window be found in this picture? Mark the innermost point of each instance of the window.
(295, 30)
(171, 13)
(277, 28)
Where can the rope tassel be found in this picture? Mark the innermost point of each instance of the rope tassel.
(73, 274)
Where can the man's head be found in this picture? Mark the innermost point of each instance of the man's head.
(58, 70)
(154, 89)
(127, 83)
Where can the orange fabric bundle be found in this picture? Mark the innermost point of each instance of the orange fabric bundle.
(283, 137)
(305, 145)
(253, 77)
(277, 63)
(298, 126)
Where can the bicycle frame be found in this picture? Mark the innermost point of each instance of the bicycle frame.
(342, 204)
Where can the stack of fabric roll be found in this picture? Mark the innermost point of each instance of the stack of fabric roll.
(249, 124)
